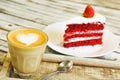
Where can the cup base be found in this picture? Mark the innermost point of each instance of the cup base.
(22, 75)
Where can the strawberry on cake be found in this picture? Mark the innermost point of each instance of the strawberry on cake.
(85, 30)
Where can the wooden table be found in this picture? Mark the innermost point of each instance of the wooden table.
(15, 14)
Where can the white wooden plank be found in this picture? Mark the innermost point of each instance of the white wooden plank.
(105, 12)
(2, 48)
(44, 9)
(3, 43)
(19, 21)
(3, 35)
(18, 10)
(110, 13)
(114, 4)
(22, 13)
(9, 26)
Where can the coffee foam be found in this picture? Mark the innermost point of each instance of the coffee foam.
(27, 38)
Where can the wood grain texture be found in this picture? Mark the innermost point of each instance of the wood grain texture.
(16, 14)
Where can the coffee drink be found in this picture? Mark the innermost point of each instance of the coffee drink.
(26, 47)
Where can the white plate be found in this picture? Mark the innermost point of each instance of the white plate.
(55, 34)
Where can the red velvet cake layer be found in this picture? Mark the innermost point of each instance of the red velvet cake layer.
(84, 27)
(82, 35)
(83, 43)
(83, 31)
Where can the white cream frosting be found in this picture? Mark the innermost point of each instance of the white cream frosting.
(81, 39)
(27, 38)
(81, 19)
(82, 32)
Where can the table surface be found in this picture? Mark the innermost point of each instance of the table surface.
(15, 14)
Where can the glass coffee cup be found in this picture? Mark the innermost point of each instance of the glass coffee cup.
(26, 48)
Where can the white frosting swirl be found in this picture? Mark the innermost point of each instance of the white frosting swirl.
(81, 19)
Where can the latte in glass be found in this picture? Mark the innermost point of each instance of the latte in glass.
(26, 48)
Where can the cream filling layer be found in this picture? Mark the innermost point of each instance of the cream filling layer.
(88, 32)
(81, 39)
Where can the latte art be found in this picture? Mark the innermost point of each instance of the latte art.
(27, 38)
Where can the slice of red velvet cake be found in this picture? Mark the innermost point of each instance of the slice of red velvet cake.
(85, 30)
